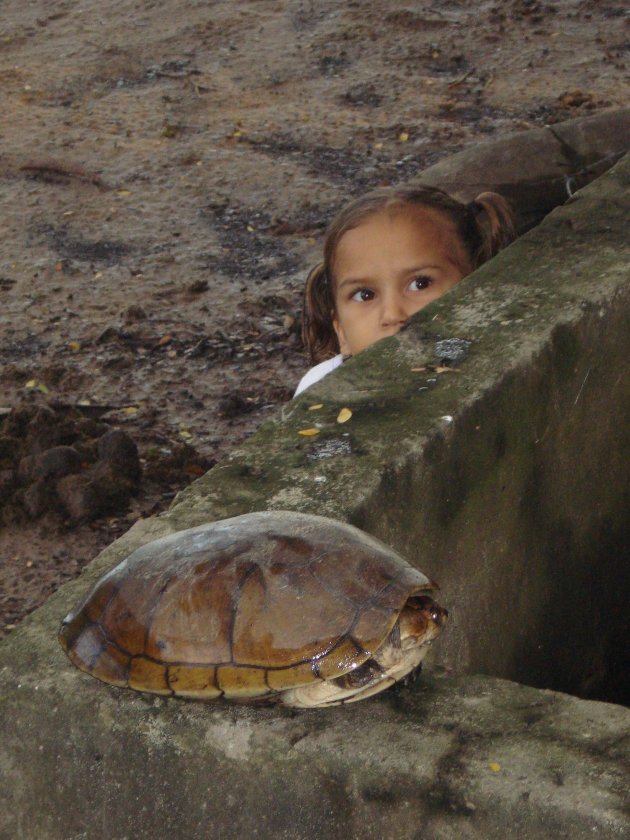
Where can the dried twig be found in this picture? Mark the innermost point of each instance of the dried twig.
(458, 82)
(49, 168)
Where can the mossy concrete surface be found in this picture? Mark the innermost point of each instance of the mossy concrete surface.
(505, 478)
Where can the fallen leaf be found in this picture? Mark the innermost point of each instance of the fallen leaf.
(495, 766)
(435, 369)
(123, 192)
(130, 410)
(35, 384)
(166, 339)
(403, 136)
(315, 407)
(344, 415)
(170, 130)
(308, 432)
(74, 346)
(195, 470)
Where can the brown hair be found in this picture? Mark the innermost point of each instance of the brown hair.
(484, 226)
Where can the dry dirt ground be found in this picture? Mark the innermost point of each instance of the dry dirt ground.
(166, 171)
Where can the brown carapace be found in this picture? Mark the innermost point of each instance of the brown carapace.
(273, 605)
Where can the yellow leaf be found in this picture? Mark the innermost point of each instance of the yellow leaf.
(435, 369)
(344, 415)
(166, 339)
(183, 433)
(315, 407)
(130, 409)
(123, 192)
(308, 432)
(494, 766)
(378, 145)
(74, 345)
(403, 136)
(34, 383)
(84, 402)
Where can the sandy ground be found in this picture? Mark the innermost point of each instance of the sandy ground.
(166, 171)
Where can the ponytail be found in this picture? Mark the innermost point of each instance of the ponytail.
(492, 221)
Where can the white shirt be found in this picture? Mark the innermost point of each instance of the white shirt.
(318, 372)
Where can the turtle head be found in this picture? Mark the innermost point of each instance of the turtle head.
(421, 621)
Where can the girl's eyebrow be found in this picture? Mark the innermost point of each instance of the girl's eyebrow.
(351, 281)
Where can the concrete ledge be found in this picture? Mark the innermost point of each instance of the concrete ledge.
(450, 758)
(507, 482)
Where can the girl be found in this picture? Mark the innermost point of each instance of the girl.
(387, 255)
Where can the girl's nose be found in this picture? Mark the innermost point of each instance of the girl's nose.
(393, 312)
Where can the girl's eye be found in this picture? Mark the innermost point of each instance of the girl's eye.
(363, 295)
(420, 283)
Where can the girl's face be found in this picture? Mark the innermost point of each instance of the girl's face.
(390, 266)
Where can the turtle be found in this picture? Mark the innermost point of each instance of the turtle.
(272, 605)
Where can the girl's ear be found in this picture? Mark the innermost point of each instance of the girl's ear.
(341, 336)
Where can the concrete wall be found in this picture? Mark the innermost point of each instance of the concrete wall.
(506, 480)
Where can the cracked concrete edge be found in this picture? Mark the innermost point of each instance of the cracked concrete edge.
(539, 169)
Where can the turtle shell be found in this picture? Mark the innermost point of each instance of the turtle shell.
(244, 608)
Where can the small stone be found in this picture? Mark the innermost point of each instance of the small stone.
(134, 313)
(198, 287)
(94, 493)
(58, 461)
(37, 499)
(118, 450)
